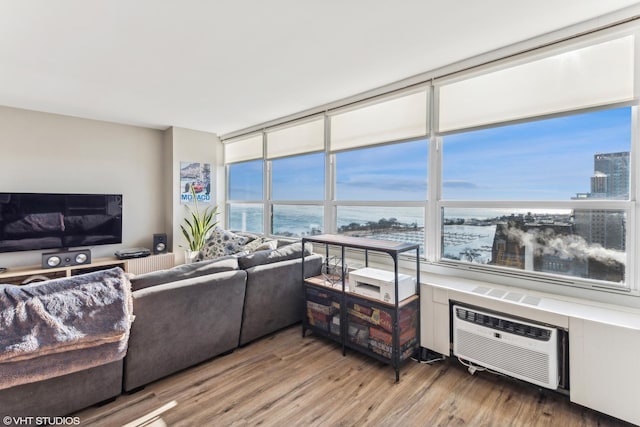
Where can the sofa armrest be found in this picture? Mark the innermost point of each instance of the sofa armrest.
(182, 323)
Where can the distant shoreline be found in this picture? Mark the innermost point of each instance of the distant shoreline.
(377, 231)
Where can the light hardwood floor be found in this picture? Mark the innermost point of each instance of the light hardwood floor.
(287, 380)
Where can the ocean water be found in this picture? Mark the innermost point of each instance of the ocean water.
(468, 242)
(300, 221)
(305, 220)
(471, 241)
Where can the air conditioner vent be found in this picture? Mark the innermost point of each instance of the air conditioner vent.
(515, 360)
(500, 324)
(509, 296)
(513, 347)
(528, 299)
(513, 296)
(497, 293)
(481, 290)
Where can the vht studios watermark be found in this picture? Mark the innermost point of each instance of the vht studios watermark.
(40, 421)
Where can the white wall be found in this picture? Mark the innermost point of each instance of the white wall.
(42, 152)
(185, 145)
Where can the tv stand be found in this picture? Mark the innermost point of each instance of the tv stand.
(30, 274)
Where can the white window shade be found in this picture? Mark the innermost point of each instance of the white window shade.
(297, 139)
(591, 76)
(392, 120)
(242, 149)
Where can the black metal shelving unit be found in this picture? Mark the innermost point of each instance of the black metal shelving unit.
(324, 302)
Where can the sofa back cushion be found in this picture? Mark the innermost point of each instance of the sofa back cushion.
(227, 263)
(284, 253)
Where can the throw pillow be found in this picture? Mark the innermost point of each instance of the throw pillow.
(250, 236)
(259, 244)
(284, 253)
(222, 242)
(268, 245)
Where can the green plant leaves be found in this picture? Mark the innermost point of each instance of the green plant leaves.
(198, 225)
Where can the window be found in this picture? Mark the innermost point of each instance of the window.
(564, 163)
(298, 179)
(245, 185)
(380, 185)
(389, 183)
(518, 170)
(552, 159)
(295, 155)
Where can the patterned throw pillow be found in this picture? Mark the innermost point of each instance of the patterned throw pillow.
(259, 244)
(222, 242)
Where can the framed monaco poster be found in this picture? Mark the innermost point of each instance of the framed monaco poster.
(195, 179)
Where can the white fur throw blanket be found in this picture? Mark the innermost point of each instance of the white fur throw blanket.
(60, 326)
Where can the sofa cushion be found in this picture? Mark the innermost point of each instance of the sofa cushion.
(185, 271)
(268, 256)
(222, 242)
(183, 323)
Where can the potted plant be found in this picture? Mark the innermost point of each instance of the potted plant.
(197, 228)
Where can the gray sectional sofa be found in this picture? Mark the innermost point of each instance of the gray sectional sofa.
(193, 312)
(273, 299)
(62, 395)
(183, 316)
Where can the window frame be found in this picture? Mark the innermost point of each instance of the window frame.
(539, 280)
(433, 204)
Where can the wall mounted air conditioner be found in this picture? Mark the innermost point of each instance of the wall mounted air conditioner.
(523, 350)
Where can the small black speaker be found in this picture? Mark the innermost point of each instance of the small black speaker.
(66, 258)
(160, 243)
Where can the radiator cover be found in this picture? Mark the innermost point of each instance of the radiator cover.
(520, 349)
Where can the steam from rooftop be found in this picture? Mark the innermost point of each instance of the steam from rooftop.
(547, 242)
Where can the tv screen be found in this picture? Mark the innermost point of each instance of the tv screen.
(35, 221)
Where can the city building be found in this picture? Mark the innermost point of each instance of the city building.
(610, 177)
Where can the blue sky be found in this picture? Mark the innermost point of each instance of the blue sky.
(388, 172)
(245, 181)
(298, 178)
(543, 160)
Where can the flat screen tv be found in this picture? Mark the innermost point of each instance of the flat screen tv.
(35, 221)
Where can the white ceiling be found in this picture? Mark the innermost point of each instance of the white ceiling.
(223, 65)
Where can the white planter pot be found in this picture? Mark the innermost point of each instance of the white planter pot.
(190, 256)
